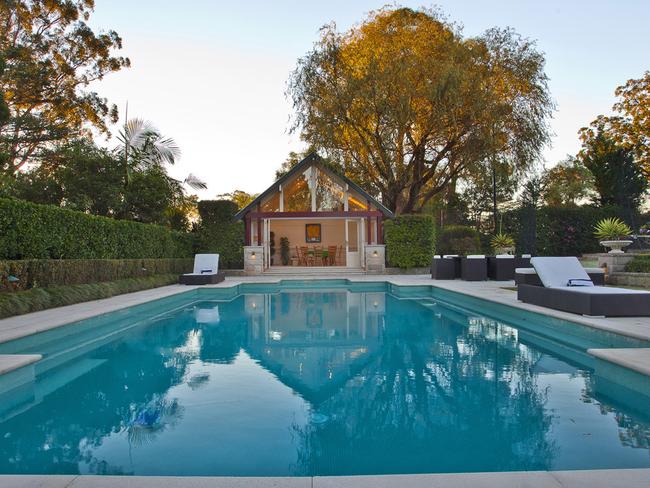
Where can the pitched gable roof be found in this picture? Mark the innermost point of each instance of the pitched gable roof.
(312, 159)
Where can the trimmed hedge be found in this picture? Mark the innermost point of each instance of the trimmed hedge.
(39, 273)
(33, 231)
(459, 239)
(558, 231)
(410, 241)
(43, 298)
(640, 264)
(217, 232)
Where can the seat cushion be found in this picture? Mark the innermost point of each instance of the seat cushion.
(206, 263)
(556, 272)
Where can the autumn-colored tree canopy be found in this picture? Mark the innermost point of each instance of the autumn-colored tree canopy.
(406, 104)
(629, 127)
(569, 182)
(51, 56)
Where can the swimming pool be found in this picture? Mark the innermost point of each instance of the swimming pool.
(320, 378)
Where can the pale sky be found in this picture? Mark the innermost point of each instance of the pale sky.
(212, 74)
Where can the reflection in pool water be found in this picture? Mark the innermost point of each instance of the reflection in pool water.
(314, 383)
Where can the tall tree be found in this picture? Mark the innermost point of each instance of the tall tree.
(618, 178)
(52, 56)
(488, 186)
(568, 183)
(4, 116)
(239, 197)
(630, 125)
(81, 176)
(409, 104)
(143, 148)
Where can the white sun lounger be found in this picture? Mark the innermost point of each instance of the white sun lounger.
(206, 271)
(567, 287)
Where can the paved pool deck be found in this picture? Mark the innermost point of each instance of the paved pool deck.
(638, 359)
(606, 478)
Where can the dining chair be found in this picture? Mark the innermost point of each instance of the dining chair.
(304, 258)
(308, 254)
(318, 255)
(331, 255)
(339, 257)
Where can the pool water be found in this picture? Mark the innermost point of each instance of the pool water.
(298, 380)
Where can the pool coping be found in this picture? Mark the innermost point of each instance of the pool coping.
(605, 478)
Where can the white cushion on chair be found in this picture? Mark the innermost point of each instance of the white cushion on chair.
(206, 264)
(557, 272)
(450, 256)
(505, 256)
(526, 271)
(476, 256)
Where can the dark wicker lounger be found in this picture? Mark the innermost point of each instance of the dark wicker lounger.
(596, 300)
(567, 287)
(201, 279)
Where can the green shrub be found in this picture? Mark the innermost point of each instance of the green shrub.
(410, 241)
(640, 264)
(557, 231)
(458, 239)
(35, 273)
(32, 231)
(43, 298)
(217, 232)
(215, 212)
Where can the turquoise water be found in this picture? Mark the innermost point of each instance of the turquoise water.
(320, 379)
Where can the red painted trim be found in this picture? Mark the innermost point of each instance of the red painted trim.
(313, 215)
(380, 231)
(369, 233)
(247, 236)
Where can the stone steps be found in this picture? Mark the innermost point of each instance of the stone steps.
(315, 271)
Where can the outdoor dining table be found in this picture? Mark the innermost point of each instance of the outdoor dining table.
(325, 253)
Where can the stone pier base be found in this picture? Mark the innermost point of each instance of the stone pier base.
(253, 260)
(375, 255)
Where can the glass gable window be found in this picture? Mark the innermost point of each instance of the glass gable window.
(297, 196)
(330, 195)
(272, 204)
(356, 202)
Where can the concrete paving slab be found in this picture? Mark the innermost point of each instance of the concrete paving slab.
(41, 481)
(10, 362)
(636, 359)
(530, 479)
(604, 478)
(187, 482)
(31, 323)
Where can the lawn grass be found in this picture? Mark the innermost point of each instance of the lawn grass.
(21, 302)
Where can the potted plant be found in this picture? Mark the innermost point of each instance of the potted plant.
(285, 251)
(272, 247)
(613, 233)
(503, 243)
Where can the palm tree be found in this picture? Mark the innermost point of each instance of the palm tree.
(144, 147)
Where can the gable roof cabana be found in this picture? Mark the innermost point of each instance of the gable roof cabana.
(312, 160)
(314, 196)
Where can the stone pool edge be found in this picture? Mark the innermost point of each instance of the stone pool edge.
(600, 478)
